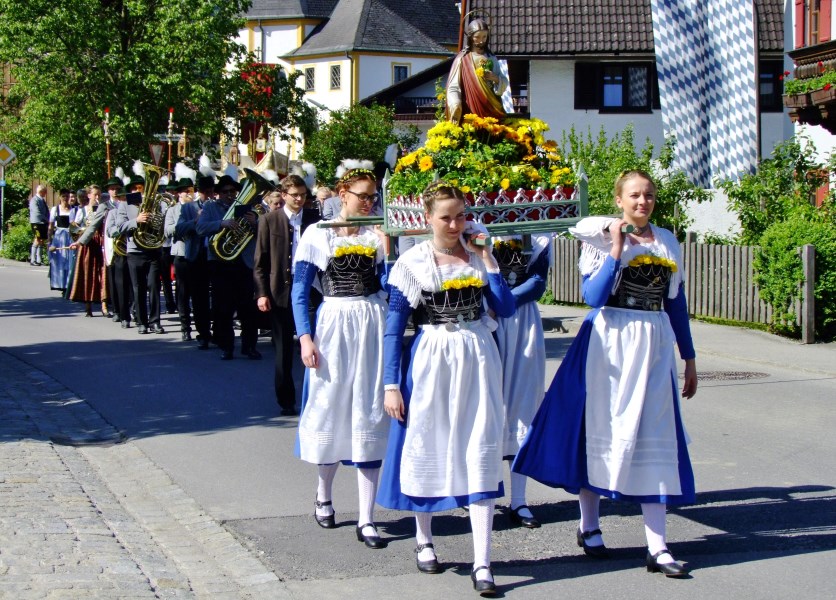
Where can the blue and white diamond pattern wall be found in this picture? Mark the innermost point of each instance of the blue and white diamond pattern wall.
(705, 58)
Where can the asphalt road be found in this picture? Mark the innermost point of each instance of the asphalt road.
(763, 451)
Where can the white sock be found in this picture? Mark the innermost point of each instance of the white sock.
(323, 490)
(518, 483)
(424, 535)
(32, 253)
(481, 522)
(654, 530)
(590, 504)
(367, 489)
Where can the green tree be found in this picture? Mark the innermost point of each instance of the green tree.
(358, 132)
(605, 158)
(72, 58)
(781, 188)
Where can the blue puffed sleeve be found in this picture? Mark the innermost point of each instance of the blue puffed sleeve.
(303, 276)
(597, 287)
(499, 296)
(396, 320)
(677, 309)
(532, 288)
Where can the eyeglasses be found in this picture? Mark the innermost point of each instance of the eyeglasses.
(365, 197)
(296, 196)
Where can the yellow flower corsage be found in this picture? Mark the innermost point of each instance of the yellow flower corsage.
(360, 249)
(649, 259)
(508, 245)
(459, 283)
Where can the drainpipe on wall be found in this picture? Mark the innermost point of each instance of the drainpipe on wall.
(351, 94)
(262, 50)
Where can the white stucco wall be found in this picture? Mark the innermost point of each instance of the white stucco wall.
(276, 41)
(552, 99)
(376, 72)
(323, 94)
(714, 217)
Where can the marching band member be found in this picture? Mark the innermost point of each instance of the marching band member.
(231, 280)
(143, 264)
(444, 393)
(118, 276)
(191, 266)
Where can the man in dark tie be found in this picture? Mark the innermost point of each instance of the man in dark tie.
(278, 236)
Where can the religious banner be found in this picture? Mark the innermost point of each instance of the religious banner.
(706, 63)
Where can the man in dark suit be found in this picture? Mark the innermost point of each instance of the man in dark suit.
(278, 236)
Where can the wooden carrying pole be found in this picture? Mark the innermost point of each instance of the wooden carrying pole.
(106, 125)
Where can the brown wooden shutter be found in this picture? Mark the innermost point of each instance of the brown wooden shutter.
(799, 23)
(824, 20)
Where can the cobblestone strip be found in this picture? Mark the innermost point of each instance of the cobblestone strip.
(85, 516)
(216, 564)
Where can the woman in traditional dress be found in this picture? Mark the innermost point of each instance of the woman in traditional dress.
(60, 255)
(445, 391)
(610, 424)
(522, 348)
(342, 416)
(89, 280)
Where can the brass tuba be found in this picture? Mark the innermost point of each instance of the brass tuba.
(149, 235)
(229, 243)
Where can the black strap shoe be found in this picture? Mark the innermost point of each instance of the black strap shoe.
(326, 522)
(371, 541)
(485, 587)
(593, 551)
(427, 566)
(520, 521)
(674, 569)
(226, 355)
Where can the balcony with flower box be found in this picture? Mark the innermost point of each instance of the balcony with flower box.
(810, 95)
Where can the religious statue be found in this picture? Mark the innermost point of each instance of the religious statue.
(476, 83)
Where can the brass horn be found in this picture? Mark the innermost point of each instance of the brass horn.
(229, 243)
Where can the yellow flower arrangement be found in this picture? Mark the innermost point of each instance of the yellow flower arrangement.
(359, 249)
(484, 154)
(649, 259)
(459, 283)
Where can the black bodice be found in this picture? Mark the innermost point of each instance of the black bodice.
(350, 275)
(513, 264)
(449, 306)
(642, 287)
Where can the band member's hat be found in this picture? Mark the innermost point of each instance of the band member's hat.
(113, 181)
(136, 180)
(207, 182)
(227, 180)
(182, 184)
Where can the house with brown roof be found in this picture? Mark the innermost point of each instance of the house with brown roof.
(350, 49)
(592, 64)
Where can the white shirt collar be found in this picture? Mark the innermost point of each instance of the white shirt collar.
(297, 218)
